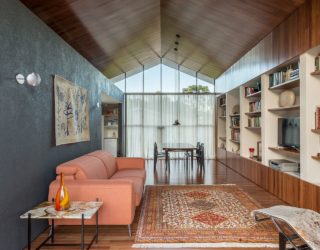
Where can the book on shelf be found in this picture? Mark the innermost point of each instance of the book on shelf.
(235, 121)
(254, 122)
(317, 63)
(317, 118)
(291, 72)
(222, 101)
(251, 90)
(235, 135)
(255, 106)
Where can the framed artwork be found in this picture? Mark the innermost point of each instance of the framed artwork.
(71, 112)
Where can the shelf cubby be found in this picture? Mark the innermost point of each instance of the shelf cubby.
(293, 83)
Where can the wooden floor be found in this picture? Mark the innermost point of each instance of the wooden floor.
(116, 237)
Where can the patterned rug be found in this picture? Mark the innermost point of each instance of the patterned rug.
(201, 216)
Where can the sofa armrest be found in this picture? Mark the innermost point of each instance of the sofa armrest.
(118, 198)
(130, 163)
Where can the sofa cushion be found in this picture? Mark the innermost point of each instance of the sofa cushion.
(141, 173)
(84, 167)
(138, 185)
(107, 159)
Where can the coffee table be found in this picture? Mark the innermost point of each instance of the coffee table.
(78, 210)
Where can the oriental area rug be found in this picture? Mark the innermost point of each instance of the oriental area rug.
(201, 216)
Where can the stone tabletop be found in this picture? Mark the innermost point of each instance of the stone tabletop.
(305, 222)
(46, 210)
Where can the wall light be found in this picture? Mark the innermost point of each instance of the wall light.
(33, 79)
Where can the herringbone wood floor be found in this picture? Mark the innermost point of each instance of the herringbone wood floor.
(116, 237)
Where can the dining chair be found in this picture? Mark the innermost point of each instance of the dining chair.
(157, 155)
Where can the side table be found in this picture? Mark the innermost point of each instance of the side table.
(78, 210)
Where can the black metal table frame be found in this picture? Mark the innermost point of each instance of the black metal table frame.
(284, 237)
(51, 235)
(167, 150)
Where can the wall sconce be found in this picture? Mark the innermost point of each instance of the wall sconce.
(32, 79)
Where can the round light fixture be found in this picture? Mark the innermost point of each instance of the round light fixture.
(33, 79)
(20, 78)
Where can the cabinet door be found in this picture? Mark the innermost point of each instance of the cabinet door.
(111, 146)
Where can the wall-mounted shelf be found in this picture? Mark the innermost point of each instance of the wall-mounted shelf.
(256, 129)
(235, 115)
(222, 105)
(286, 85)
(234, 141)
(286, 151)
(223, 138)
(316, 157)
(317, 131)
(256, 94)
(294, 107)
(222, 117)
(256, 113)
(235, 127)
(316, 73)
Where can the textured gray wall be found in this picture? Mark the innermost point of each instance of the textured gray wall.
(28, 156)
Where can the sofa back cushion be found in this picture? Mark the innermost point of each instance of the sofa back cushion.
(84, 167)
(108, 160)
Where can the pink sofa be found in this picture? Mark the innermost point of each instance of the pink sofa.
(118, 182)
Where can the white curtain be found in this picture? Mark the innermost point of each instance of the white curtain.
(150, 118)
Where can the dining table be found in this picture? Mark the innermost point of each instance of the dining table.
(178, 147)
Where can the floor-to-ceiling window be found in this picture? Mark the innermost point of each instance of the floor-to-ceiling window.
(158, 96)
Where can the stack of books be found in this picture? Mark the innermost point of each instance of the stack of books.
(255, 106)
(235, 135)
(286, 74)
(254, 122)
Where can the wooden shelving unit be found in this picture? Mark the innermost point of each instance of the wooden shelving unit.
(280, 109)
(255, 129)
(235, 127)
(256, 113)
(253, 95)
(286, 85)
(234, 141)
(316, 73)
(316, 157)
(317, 131)
(286, 151)
(221, 122)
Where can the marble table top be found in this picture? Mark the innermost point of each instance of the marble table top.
(305, 222)
(46, 210)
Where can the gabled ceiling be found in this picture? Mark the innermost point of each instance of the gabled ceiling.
(119, 36)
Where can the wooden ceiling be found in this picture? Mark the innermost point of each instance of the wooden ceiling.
(119, 36)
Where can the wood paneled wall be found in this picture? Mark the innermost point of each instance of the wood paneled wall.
(295, 35)
(288, 188)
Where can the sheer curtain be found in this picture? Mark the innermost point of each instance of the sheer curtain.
(150, 118)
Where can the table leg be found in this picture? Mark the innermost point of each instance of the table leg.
(167, 158)
(52, 230)
(97, 226)
(191, 158)
(82, 232)
(282, 242)
(29, 231)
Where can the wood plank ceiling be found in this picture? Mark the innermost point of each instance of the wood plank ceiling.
(119, 36)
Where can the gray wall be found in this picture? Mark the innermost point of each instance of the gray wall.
(28, 156)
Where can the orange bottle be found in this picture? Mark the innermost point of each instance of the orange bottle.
(62, 196)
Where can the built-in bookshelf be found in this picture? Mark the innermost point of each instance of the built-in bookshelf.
(221, 122)
(233, 121)
(250, 106)
(264, 107)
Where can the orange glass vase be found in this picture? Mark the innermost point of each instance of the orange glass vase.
(62, 196)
